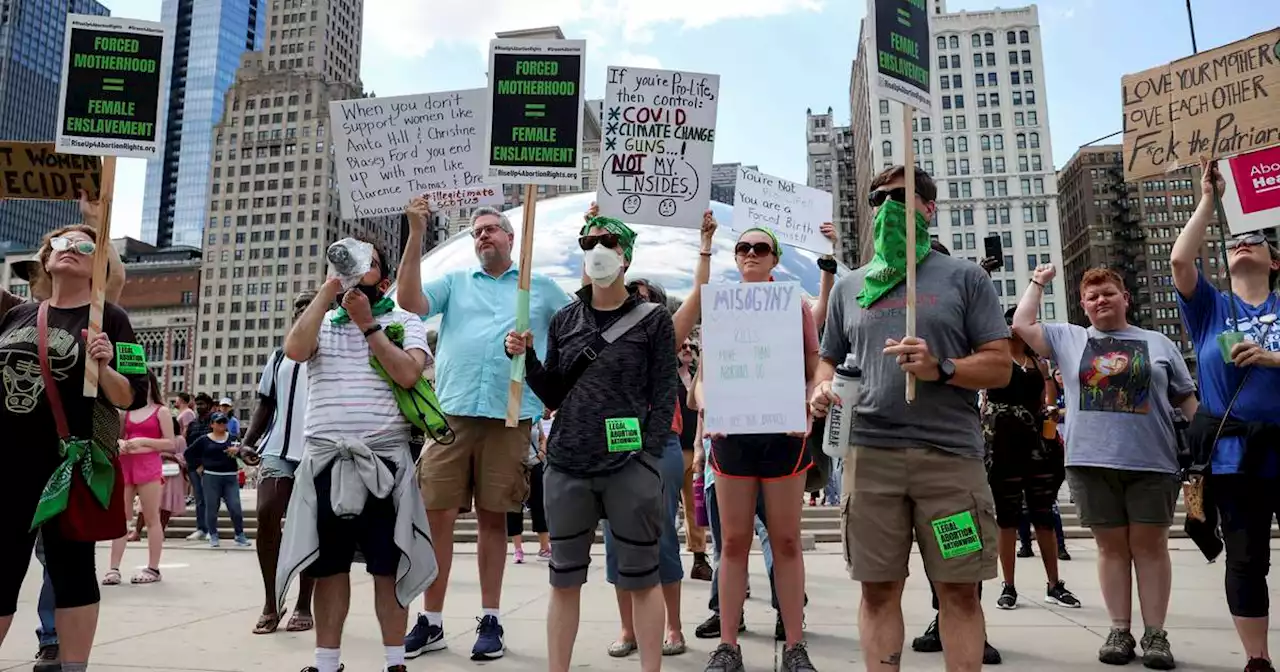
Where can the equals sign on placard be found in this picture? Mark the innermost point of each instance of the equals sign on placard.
(112, 84)
(535, 110)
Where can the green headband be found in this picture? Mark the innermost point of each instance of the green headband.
(626, 237)
(777, 249)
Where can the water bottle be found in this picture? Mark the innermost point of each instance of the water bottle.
(839, 416)
(699, 502)
(349, 259)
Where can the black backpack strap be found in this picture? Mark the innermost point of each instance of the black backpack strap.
(613, 332)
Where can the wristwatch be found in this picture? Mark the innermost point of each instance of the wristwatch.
(946, 370)
(827, 264)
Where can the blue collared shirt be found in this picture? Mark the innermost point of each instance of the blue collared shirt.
(473, 372)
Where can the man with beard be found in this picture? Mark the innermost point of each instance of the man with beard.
(485, 464)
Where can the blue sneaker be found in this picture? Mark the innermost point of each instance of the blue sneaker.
(489, 644)
(423, 638)
(242, 541)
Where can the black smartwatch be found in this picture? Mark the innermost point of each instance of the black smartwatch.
(372, 330)
(946, 370)
(827, 265)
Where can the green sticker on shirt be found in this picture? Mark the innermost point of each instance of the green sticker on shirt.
(623, 434)
(131, 359)
(957, 535)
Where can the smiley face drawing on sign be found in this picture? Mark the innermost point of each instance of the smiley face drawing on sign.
(631, 204)
(667, 207)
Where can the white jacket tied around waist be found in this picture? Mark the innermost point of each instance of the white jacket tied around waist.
(357, 474)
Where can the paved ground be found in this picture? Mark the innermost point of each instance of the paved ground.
(200, 617)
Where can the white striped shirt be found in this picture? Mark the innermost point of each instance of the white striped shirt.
(346, 397)
(284, 382)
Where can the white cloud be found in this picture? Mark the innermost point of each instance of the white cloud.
(639, 60)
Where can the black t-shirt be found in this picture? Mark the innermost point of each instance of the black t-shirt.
(26, 413)
(689, 418)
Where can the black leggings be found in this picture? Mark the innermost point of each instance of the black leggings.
(70, 563)
(515, 519)
(1248, 506)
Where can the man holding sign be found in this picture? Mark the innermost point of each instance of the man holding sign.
(916, 469)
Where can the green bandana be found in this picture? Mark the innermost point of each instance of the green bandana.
(889, 266)
(94, 465)
(382, 307)
(626, 236)
(777, 249)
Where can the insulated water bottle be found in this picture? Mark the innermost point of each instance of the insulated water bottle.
(699, 502)
(847, 380)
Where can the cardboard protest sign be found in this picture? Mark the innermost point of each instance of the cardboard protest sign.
(752, 341)
(656, 149)
(535, 124)
(113, 74)
(1251, 200)
(34, 170)
(1215, 104)
(390, 150)
(900, 47)
(793, 211)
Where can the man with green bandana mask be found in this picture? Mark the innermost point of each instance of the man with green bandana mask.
(916, 470)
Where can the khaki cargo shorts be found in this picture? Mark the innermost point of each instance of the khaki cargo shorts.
(485, 463)
(940, 500)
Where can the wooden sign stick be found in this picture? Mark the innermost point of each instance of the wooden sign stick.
(515, 394)
(909, 176)
(100, 271)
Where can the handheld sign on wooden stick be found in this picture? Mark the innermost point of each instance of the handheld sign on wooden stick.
(516, 393)
(100, 272)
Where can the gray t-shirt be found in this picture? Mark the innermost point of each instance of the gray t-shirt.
(1121, 387)
(956, 312)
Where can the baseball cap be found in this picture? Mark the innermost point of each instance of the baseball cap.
(23, 269)
(226, 401)
(215, 418)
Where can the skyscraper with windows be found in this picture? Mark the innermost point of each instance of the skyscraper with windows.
(31, 39)
(986, 144)
(208, 40)
(830, 168)
(272, 204)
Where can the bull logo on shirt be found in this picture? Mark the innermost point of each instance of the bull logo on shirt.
(20, 365)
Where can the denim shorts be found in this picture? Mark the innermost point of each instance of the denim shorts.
(274, 466)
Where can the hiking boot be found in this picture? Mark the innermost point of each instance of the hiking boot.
(726, 658)
(930, 641)
(1118, 649)
(701, 568)
(1008, 597)
(796, 659)
(1155, 651)
(1059, 595)
(47, 660)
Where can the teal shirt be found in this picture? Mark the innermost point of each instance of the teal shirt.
(473, 372)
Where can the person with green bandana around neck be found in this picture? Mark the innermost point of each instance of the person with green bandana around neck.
(916, 470)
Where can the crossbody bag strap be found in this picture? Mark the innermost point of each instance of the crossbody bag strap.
(613, 332)
(50, 385)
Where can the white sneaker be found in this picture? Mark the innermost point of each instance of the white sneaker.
(197, 536)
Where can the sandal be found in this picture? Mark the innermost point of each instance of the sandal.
(673, 648)
(146, 575)
(111, 578)
(267, 624)
(621, 649)
(300, 622)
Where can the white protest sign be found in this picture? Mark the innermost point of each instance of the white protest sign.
(794, 212)
(1251, 200)
(656, 147)
(390, 150)
(465, 198)
(753, 358)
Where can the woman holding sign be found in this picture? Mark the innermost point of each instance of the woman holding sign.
(775, 464)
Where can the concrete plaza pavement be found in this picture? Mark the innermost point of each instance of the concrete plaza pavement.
(199, 619)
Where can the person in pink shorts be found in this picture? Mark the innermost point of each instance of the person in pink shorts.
(147, 434)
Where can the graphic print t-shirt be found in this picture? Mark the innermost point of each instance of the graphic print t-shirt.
(1120, 390)
(25, 410)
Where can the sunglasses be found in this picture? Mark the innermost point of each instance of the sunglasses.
(689, 347)
(62, 244)
(609, 240)
(1249, 240)
(761, 249)
(879, 196)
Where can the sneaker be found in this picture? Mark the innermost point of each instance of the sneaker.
(930, 641)
(423, 638)
(701, 568)
(990, 655)
(1026, 552)
(710, 628)
(1259, 665)
(1059, 595)
(397, 668)
(1008, 598)
(1155, 651)
(519, 556)
(489, 644)
(544, 556)
(197, 536)
(47, 659)
(1063, 555)
(242, 541)
(1118, 649)
(311, 668)
(796, 659)
(214, 542)
(726, 658)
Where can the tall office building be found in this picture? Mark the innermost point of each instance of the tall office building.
(1130, 227)
(31, 40)
(273, 207)
(830, 168)
(724, 181)
(208, 40)
(986, 144)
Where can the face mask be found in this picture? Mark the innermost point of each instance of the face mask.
(602, 265)
(370, 292)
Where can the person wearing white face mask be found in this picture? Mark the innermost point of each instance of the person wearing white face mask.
(609, 370)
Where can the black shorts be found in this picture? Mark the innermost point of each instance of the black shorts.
(762, 456)
(372, 532)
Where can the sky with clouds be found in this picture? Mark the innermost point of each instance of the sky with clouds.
(775, 58)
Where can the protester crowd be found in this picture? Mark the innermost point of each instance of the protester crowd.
(610, 429)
